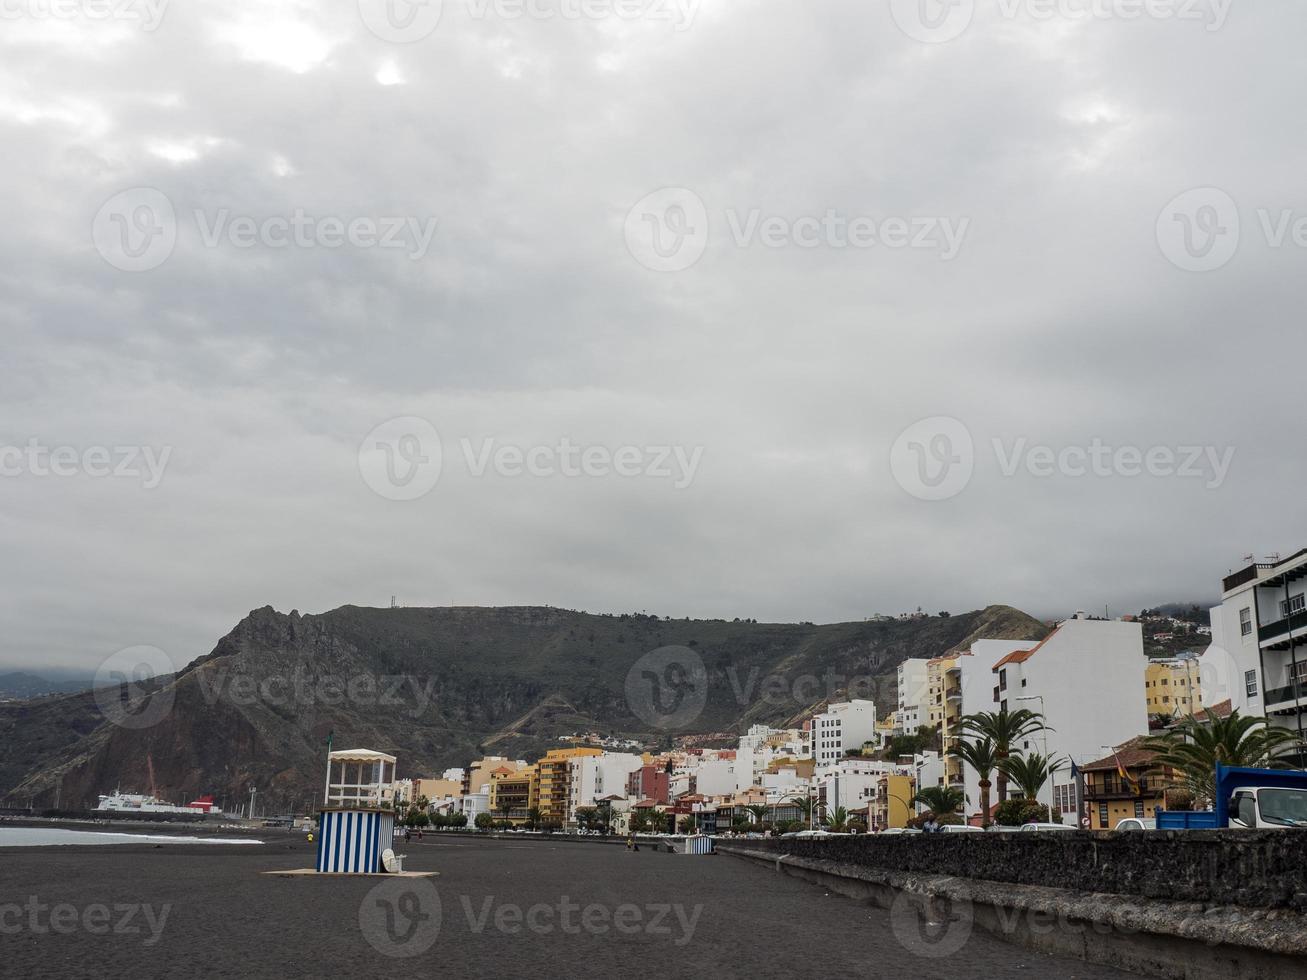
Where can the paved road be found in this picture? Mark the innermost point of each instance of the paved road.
(498, 909)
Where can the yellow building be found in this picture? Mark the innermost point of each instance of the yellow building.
(555, 780)
(892, 805)
(1173, 687)
(437, 789)
(944, 704)
(514, 793)
(476, 777)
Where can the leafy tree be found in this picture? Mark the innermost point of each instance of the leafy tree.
(982, 756)
(1004, 728)
(639, 822)
(686, 824)
(483, 821)
(1192, 749)
(533, 817)
(457, 820)
(586, 816)
(785, 827)
(1030, 772)
(941, 800)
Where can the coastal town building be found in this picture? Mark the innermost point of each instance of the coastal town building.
(556, 782)
(1126, 783)
(1258, 655)
(842, 727)
(1173, 687)
(1084, 678)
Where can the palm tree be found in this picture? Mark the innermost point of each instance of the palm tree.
(942, 800)
(982, 756)
(533, 817)
(1193, 748)
(1030, 772)
(759, 812)
(837, 820)
(504, 807)
(805, 805)
(1004, 728)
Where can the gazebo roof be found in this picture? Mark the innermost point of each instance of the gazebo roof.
(360, 755)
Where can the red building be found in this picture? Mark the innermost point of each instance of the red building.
(649, 783)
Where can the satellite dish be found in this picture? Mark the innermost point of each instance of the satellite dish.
(389, 861)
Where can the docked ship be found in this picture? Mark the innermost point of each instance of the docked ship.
(127, 804)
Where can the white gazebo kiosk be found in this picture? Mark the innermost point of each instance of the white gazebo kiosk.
(358, 817)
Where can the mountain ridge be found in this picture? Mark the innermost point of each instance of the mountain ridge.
(437, 686)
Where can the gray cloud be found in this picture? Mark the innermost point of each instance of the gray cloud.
(1060, 320)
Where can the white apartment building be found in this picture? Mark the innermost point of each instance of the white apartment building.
(592, 777)
(976, 684)
(717, 777)
(1258, 655)
(913, 691)
(1086, 678)
(841, 727)
(762, 746)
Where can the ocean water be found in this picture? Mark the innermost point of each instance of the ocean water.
(44, 836)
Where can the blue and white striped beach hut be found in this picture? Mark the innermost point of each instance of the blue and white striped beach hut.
(698, 844)
(351, 840)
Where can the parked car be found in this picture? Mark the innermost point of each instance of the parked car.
(900, 830)
(1136, 823)
(1040, 827)
(958, 828)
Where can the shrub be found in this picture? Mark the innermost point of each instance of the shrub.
(1014, 813)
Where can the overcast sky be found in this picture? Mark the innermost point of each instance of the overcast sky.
(792, 268)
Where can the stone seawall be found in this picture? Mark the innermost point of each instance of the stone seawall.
(1249, 869)
(1076, 895)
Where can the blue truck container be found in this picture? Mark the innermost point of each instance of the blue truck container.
(1230, 779)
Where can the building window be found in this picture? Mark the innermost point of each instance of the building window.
(1139, 808)
(1245, 620)
(1250, 683)
(1293, 604)
(1298, 671)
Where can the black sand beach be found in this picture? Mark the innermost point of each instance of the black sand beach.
(498, 909)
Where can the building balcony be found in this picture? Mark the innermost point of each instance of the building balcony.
(1273, 631)
(1285, 697)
